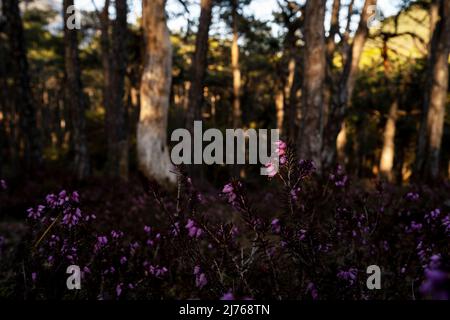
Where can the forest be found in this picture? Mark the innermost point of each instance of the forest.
(94, 93)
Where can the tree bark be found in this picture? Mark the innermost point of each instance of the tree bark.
(388, 151)
(310, 140)
(74, 97)
(431, 130)
(117, 115)
(25, 106)
(153, 153)
(199, 65)
(346, 85)
(237, 112)
(331, 46)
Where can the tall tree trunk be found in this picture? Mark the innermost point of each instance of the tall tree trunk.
(331, 46)
(345, 88)
(310, 139)
(153, 153)
(199, 65)
(430, 134)
(279, 108)
(24, 103)
(117, 115)
(388, 151)
(74, 97)
(237, 112)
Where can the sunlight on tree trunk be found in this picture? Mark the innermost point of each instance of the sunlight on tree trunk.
(279, 107)
(388, 151)
(345, 86)
(153, 153)
(237, 113)
(341, 143)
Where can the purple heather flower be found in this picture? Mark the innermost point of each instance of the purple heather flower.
(71, 218)
(123, 260)
(295, 193)
(276, 228)
(35, 214)
(176, 229)
(412, 196)
(200, 277)
(34, 276)
(349, 275)
(101, 242)
(301, 234)
(415, 226)
(446, 224)
(3, 184)
(229, 192)
(311, 288)
(147, 229)
(51, 200)
(116, 234)
(434, 284)
(156, 271)
(228, 296)
(235, 232)
(200, 280)
(75, 197)
(433, 215)
(196, 270)
(193, 230)
(119, 289)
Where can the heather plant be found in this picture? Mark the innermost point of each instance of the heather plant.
(313, 238)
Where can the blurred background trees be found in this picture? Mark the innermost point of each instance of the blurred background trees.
(342, 87)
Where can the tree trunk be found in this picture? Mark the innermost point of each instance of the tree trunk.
(117, 116)
(388, 151)
(279, 107)
(331, 46)
(74, 97)
(153, 153)
(237, 113)
(430, 134)
(199, 65)
(310, 140)
(345, 88)
(25, 106)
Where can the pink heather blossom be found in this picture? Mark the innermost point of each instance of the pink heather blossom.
(271, 169)
(281, 148)
(228, 188)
